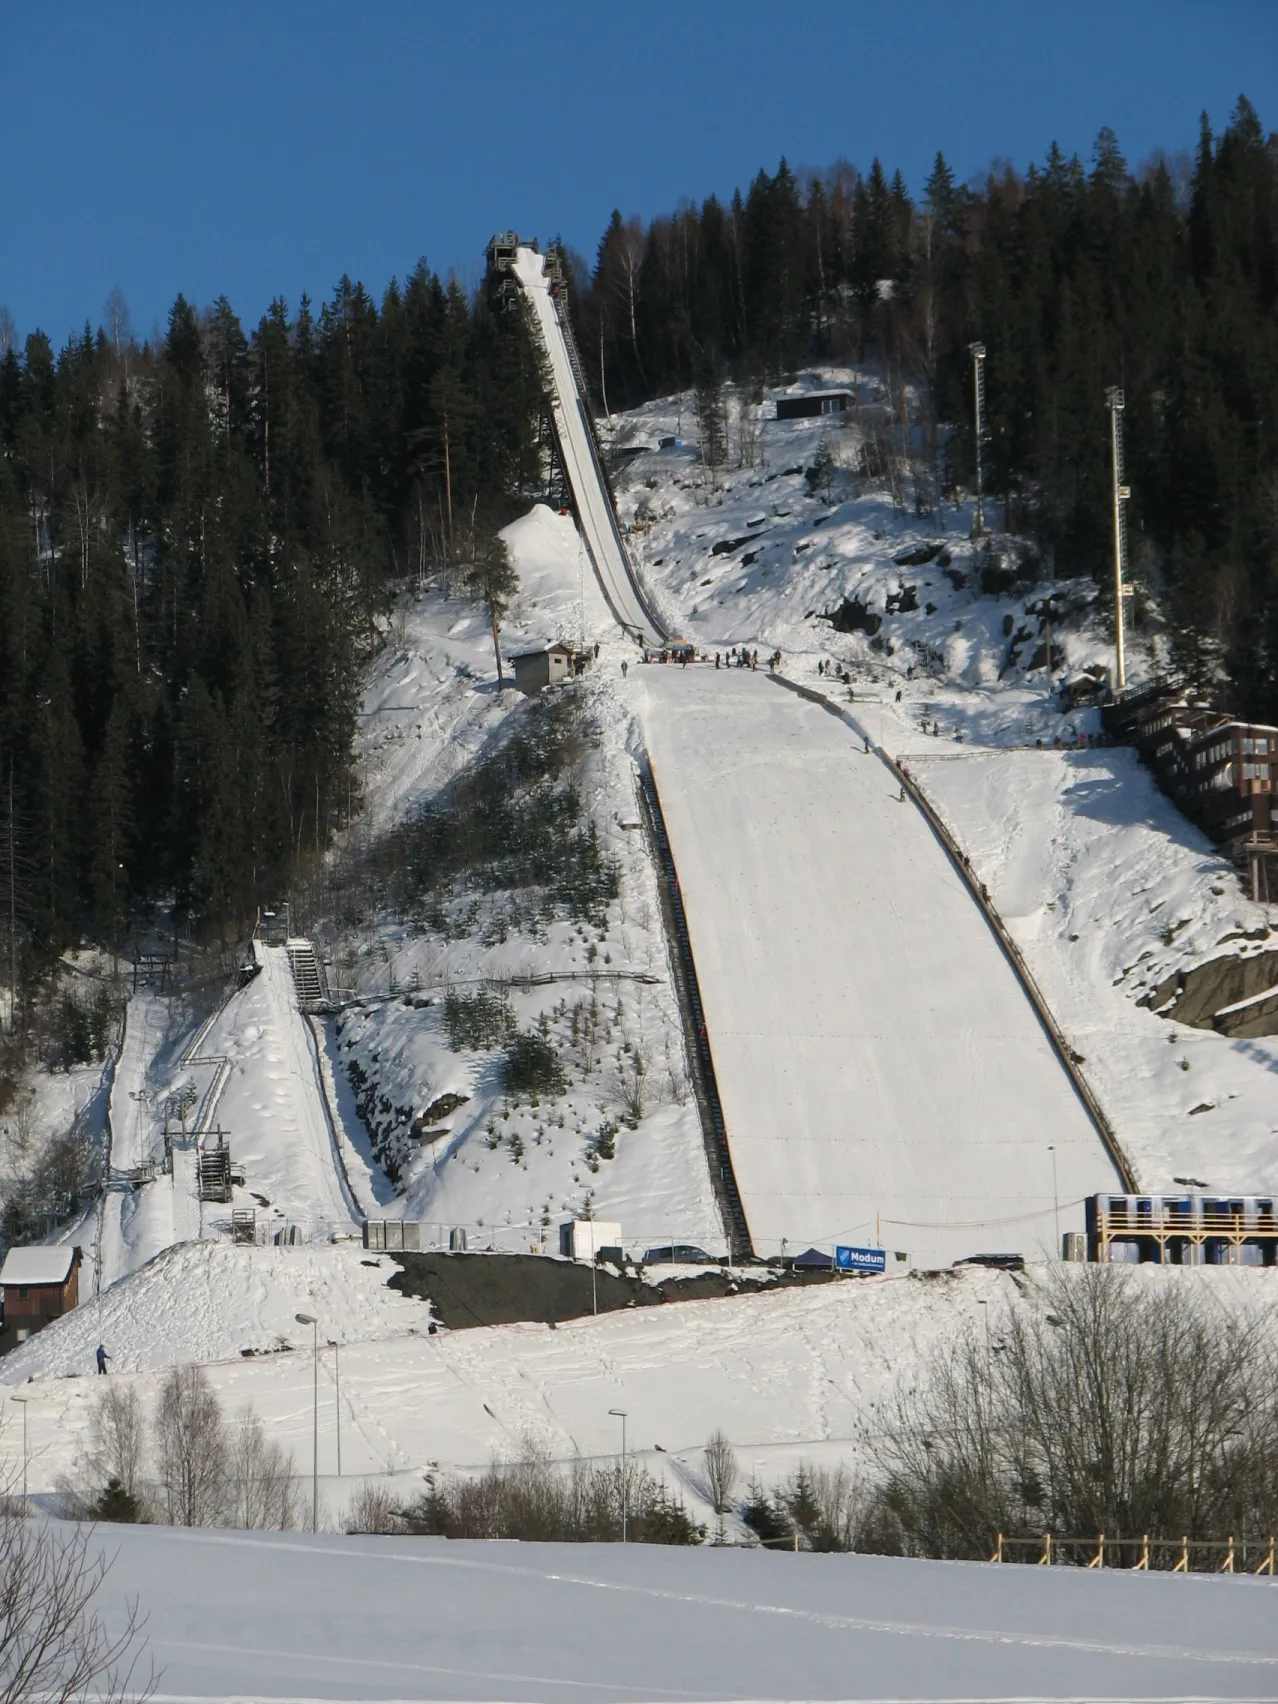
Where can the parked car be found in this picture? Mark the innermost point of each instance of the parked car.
(1002, 1262)
(678, 1254)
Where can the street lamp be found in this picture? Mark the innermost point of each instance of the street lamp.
(620, 1414)
(310, 1319)
(337, 1400)
(26, 1452)
(1056, 1199)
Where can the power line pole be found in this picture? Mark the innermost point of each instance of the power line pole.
(977, 351)
(1115, 402)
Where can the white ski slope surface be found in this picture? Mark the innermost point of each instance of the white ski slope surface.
(273, 1105)
(137, 1223)
(593, 504)
(262, 1616)
(881, 1071)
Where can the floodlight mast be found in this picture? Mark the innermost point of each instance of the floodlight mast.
(977, 351)
(1115, 402)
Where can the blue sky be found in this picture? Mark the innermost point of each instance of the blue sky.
(264, 148)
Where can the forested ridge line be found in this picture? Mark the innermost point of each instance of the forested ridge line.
(196, 535)
(1163, 281)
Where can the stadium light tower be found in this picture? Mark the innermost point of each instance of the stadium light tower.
(1114, 401)
(977, 351)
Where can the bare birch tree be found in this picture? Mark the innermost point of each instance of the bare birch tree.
(191, 1449)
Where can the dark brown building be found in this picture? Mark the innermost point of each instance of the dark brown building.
(1220, 771)
(37, 1285)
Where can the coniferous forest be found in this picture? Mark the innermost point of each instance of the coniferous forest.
(197, 533)
(195, 539)
(1162, 280)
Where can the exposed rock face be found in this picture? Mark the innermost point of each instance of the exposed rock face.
(852, 616)
(1234, 996)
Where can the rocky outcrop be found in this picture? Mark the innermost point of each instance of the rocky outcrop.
(1233, 995)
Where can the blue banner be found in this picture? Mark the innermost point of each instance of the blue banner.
(860, 1259)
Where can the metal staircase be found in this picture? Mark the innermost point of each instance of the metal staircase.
(713, 1128)
(308, 975)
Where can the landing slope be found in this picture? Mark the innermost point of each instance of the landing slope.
(877, 1060)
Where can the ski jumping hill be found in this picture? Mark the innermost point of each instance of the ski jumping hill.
(581, 462)
(881, 1071)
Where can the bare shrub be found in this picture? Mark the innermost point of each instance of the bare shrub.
(1111, 1407)
(54, 1645)
(532, 1499)
(721, 1471)
(191, 1449)
(372, 1509)
(632, 1068)
(262, 1493)
(117, 1439)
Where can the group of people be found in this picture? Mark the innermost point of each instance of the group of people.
(739, 657)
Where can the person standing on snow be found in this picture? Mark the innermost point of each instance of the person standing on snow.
(624, 668)
(102, 1358)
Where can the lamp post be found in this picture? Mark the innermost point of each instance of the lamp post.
(310, 1319)
(1056, 1199)
(26, 1451)
(977, 352)
(620, 1414)
(337, 1401)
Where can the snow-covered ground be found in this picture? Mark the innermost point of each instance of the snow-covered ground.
(790, 1376)
(1107, 889)
(507, 1173)
(254, 1616)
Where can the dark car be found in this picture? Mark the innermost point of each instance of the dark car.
(678, 1254)
(1002, 1262)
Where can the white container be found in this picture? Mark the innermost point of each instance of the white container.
(581, 1239)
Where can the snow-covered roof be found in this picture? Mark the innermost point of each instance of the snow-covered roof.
(37, 1265)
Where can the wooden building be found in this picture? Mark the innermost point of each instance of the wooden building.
(547, 667)
(37, 1285)
(1219, 770)
(813, 405)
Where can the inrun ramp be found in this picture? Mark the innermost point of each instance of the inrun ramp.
(595, 512)
(881, 1070)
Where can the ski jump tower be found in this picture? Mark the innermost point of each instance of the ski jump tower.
(520, 279)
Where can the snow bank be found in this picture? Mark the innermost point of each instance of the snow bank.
(1107, 889)
(209, 1301)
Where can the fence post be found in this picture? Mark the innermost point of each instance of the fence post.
(1267, 1566)
(1143, 1564)
(1182, 1567)
(1227, 1566)
(1098, 1561)
(998, 1550)
(1045, 1560)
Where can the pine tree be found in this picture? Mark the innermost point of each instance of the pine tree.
(491, 577)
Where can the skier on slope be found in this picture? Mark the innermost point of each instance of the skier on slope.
(102, 1358)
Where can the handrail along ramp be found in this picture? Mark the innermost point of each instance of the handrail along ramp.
(575, 436)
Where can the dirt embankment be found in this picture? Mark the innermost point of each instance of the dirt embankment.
(504, 1289)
